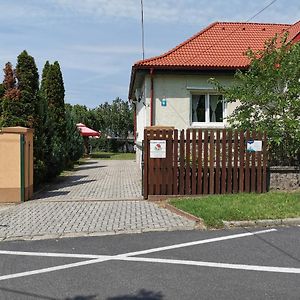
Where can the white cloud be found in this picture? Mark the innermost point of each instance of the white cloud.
(182, 11)
(155, 11)
(113, 49)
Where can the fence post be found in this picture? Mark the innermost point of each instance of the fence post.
(146, 160)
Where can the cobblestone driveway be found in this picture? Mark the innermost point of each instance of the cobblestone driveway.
(33, 220)
(81, 205)
(98, 180)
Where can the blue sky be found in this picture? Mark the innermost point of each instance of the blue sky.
(97, 41)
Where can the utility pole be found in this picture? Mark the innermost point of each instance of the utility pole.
(143, 44)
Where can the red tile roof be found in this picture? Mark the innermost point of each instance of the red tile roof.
(221, 45)
(294, 32)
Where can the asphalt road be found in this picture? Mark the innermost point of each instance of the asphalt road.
(227, 264)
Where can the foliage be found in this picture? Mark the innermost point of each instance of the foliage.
(28, 85)
(113, 120)
(74, 142)
(214, 209)
(32, 110)
(11, 107)
(1, 95)
(269, 98)
(53, 92)
(121, 118)
(57, 142)
(2, 90)
(113, 156)
(112, 145)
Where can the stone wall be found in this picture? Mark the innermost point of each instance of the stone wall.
(284, 178)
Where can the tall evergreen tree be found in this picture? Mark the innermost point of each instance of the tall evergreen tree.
(74, 142)
(32, 109)
(52, 89)
(28, 84)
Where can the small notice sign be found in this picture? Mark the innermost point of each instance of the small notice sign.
(158, 148)
(164, 102)
(254, 146)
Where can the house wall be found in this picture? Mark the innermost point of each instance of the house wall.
(177, 90)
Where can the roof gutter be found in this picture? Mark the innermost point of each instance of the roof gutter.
(132, 79)
(151, 96)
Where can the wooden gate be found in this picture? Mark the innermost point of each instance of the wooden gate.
(202, 161)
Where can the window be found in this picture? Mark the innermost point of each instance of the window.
(208, 108)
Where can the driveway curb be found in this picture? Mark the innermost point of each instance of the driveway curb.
(90, 234)
(199, 222)
(264, 223)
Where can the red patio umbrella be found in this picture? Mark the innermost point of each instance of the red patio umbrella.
(86, 131)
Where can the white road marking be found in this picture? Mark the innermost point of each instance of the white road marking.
(212, 240)
(46, 254)
(128, 257)
(56, 268)
(147, 251)
(213, 264)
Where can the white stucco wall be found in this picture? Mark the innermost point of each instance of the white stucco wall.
(177, 90)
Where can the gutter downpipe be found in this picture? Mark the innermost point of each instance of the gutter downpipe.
(134, 122)
(151, 97)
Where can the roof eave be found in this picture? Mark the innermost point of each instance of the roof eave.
(136, 68)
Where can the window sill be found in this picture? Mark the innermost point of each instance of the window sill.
(208, 125)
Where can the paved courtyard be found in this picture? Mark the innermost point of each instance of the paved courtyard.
(98, 180)
(99, 198)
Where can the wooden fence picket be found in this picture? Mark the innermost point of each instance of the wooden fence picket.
(202, 161)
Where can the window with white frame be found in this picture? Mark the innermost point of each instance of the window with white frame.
(208, 108)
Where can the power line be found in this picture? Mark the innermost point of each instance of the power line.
(263, 9)
(232, 32)
(142, 16)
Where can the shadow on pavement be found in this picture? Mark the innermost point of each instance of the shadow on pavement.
(53, 189)
(38, 296)
(25, 294)
(51, 194)
(92, 297)
(89, 167)
(141, 295)
(87, 163)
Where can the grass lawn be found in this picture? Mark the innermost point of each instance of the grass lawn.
(113, 156)
(238, 207)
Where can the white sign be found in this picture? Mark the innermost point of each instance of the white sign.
(158, 148)
(253, 146)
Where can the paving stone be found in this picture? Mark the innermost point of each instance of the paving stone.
(59, 212)
(98, 180)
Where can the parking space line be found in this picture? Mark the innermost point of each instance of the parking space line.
(56, 268)
(46, 254)
(212, 240)
(127, 256)
(176, 246)
(213, 265)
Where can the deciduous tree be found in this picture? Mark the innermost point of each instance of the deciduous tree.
(269, 94)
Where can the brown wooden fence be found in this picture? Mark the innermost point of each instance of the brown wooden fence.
(202, 161)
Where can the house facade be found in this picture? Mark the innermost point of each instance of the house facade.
(174, 89)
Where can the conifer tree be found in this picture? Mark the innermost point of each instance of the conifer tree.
(74, 142)
(28, 85)
(53, 91)
(33, 109)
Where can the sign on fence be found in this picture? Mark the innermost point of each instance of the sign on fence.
(157, 149)
(254, 146)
